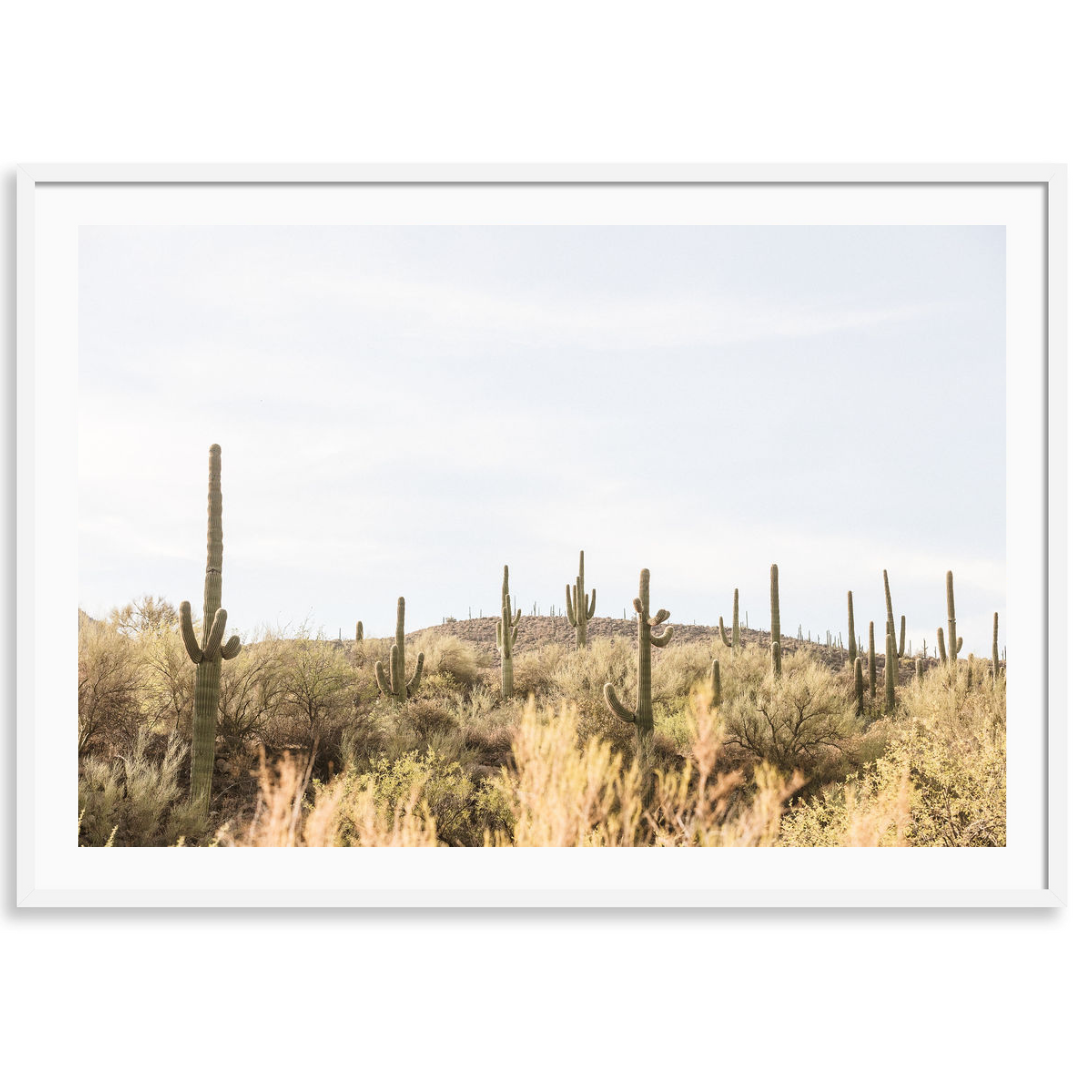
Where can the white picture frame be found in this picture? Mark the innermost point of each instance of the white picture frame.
(53, 871)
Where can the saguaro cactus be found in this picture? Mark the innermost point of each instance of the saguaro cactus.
(890, 673)
(714, 684)
(774, 604)
(208, 656)
(506, 632)
(393, 683)
(955, 643)
(641, 716)
(732, 642)
(579, 609)
(852, 650)
(872, 665)
(359, 632)
(857, 671)
(994, 650)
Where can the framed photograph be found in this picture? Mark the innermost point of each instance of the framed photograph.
(413, 529)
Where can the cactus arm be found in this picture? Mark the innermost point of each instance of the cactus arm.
(571, 614)
(661, 616)
(217, 632)
(959, 643)
(903, 634)
(231, 649)
(637, 604)
(723, 633)
(592, 606)
(414, 682)
(498, 634)
(187, 632)
(660, 640)
(942, 655)
(381, 679)
(617, 708)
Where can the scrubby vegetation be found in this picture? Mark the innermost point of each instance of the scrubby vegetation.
(309, 751)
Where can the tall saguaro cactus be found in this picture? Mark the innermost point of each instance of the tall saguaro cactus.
(579, 608)
(641, 716)
(852, 649)
(506, 632)
(994, 650)
(890, 673)
(208, 655)
(393, 683)
(872, 665)
(774, 604)
(733, 642)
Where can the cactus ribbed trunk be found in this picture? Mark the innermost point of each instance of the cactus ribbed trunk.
(774, 605)
(208, 654)
(714, 684)
(506, 632)
(733, 641)
(642, 715)
(852, 651)
(951, 604)
(994, 650)
(393, 683)
(857, 673)
(872, 665)
(890, 673)
(579, 608)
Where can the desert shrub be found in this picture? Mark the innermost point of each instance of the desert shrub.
(535, 671)
(795, 721)
(253, 692)
(940, 781)
(110, 688)
(447, 655)
(136, 800)
(319, 688)
(581, 673)
(679, 668)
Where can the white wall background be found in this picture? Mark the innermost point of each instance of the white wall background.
(814, 993)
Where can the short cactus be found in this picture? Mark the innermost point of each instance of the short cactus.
(774, 604)
(857, 671)
(714, 684)
(506, 632)
(579, 608)
(393, 683)
(208, 656)
(641, 716)
(359, 632)
(918, 669)
(733, 641)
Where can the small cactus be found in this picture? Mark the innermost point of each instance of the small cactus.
(393, 683)
(942, 655)
(208, 656)
(359, 632)
(857, 671)
(918, 669)
(579, 608)
(714, 684)
(506, 632)
(774, 604)
(732, 642)
(641, 716)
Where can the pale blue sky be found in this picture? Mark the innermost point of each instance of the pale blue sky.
(402, 410)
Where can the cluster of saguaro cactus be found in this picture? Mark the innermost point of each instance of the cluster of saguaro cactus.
(774, 604)
(393, 682)
(506, 632)
(641, 716)
(579, 609)
(732, 642)
(208, 655)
